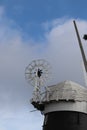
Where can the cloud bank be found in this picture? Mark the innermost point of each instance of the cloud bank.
(59, 47)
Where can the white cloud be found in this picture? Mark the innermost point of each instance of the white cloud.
(60, 49)
(21, 121)
(63, 51)
(15, 54)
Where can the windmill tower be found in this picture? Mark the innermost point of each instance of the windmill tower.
(64, 105)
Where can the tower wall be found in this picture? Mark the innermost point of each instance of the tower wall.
(65, 120)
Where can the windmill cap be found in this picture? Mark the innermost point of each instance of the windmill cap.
(66, 90)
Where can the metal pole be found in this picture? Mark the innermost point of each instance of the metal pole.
(81, 47)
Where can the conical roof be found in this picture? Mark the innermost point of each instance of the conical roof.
(66, 90)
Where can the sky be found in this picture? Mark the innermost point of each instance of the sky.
(30, 30)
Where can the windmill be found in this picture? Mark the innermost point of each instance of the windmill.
(63, 105)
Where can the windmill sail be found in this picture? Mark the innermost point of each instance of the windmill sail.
(84, 64)
(81, 47)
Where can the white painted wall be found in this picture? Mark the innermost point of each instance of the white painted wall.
(66, 106)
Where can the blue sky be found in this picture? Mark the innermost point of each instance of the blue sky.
(29, 30)
(30, 14)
